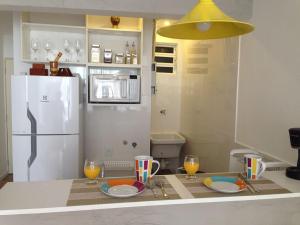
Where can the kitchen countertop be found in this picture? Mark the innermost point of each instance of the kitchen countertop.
(51, 196)
(42, 194)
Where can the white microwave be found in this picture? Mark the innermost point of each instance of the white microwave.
(113, 89)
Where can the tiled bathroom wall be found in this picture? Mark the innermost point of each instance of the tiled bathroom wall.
(199, 101)
(166, 103)
(208, 101)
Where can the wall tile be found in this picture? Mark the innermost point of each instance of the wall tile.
(208, 101)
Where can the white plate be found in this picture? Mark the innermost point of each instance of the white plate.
(123, 191)
(225, 187)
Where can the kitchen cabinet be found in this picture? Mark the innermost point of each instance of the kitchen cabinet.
(44, 36)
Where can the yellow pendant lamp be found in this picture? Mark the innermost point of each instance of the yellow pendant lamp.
(205, 21)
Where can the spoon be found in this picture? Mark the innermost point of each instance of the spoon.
(160, 184)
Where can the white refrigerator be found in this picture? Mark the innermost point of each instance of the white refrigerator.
(45, 127)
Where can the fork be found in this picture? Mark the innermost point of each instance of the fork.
(250, 187)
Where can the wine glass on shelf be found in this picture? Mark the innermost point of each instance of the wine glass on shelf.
(67, 48)
(35, 46)
(191, 165)
(91, 170)
(77, 49)
(47, 47)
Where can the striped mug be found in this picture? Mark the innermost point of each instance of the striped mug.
(143, 167)
(254, 166)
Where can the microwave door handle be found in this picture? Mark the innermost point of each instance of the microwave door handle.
(110, 78)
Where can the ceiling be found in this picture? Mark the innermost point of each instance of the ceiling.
(240, 9)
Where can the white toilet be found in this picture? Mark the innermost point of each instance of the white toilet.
(166, 148)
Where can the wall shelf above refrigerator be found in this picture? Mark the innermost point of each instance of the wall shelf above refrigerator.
(61, 63)
(43, 30)
(42, 42)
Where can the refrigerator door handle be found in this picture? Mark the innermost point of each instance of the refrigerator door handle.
(33, 152)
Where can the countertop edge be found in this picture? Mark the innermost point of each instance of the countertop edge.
(147, 204)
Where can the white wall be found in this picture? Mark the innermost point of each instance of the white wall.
(168, 95)
(200, 100)
(208, 101)
(136, 8)
(269, 99)
(6, 50)
(19, 66)
(108, 127)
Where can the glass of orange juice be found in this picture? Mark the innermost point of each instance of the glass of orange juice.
(191, 165)
(91, 171)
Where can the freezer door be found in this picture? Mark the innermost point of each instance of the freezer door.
(57, 157)
(53, 102)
